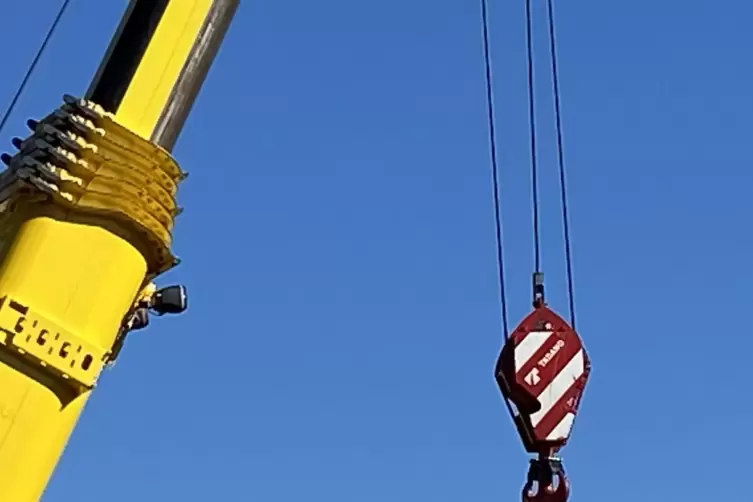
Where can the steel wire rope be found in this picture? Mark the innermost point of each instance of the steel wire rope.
(532, 138)
(33, 65)
(494, 167)
(561, 161)
(495, 183)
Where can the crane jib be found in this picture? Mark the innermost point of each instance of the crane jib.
(88, 205)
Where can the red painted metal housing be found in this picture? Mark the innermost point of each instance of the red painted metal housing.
(543, 369)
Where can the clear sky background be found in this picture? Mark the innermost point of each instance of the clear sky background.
(338, 245)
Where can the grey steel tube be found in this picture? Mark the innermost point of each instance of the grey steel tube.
(194, 73)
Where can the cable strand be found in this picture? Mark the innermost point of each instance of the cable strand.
(495, 168)
(532, 139)
(561, 162)
(33, 65)
(495, 182)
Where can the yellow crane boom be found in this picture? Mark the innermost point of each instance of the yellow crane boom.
(87, 207)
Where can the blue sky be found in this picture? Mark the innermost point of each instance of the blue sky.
(338, 246)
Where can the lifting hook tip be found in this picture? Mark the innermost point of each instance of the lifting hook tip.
(550, 479)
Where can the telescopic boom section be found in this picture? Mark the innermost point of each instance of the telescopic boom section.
(87, 208)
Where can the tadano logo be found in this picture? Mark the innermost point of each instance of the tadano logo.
(533, 378)
(551, 353)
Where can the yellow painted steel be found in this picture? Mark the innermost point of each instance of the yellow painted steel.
(73, 272)
(159, 69)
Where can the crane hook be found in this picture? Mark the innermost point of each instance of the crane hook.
(549, 476)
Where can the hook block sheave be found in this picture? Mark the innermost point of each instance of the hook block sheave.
(543, 370)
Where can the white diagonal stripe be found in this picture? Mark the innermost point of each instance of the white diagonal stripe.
(562, 430)
(561, 384)
(528, 347)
